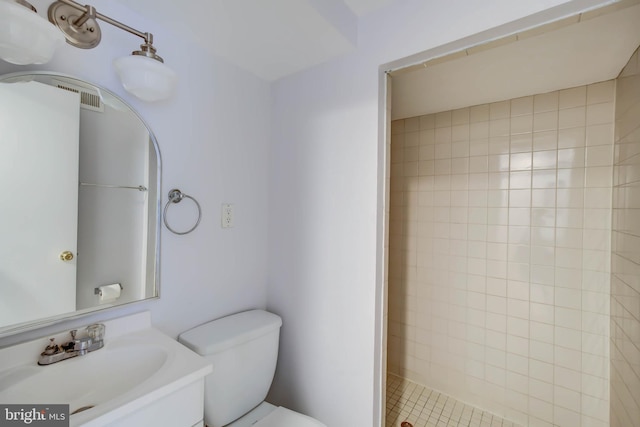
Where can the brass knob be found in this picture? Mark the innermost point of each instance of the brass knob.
(66, 256)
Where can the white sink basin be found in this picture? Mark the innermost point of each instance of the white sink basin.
(84, 381)
(132, 370)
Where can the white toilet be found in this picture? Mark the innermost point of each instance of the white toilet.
(243, 349)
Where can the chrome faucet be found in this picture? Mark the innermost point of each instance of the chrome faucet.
(93, 340)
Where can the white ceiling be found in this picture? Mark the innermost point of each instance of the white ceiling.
(362, 7)
(276, 38)
(590, 51)
(271, 39)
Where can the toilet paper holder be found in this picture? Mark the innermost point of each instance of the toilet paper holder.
(98, 291)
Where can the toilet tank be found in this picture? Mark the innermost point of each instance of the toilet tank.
(243, 349)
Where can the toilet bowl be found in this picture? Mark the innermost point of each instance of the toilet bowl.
(243, 349)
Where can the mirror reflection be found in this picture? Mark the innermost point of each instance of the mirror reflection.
(80, 205)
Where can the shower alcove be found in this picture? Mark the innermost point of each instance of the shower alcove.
(514, 243)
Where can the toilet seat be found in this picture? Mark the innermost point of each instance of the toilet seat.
(283, 417)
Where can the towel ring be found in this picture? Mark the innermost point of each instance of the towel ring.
(176, 196)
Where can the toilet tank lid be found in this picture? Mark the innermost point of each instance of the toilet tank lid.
(221, 334)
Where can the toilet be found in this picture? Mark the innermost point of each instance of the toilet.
(243, 349)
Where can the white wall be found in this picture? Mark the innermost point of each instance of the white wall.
(213, 137)
(325, 207)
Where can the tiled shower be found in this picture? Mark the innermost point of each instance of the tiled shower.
(625, 259)
(505, 289)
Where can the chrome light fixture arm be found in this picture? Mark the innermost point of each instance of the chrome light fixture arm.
(26, 4)
(32, 40)
(83, 30)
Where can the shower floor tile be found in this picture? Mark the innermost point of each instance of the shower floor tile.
(423, 407)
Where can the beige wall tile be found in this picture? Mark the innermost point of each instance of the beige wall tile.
(500, 221)
(573, 97)
(625, 270)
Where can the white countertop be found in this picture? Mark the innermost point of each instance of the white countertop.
(125, 336)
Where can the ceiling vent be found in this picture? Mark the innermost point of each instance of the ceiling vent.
(89, 99)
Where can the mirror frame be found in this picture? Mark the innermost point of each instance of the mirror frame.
(48, 321)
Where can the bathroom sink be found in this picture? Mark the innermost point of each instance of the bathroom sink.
(85, 381)
(138, 367)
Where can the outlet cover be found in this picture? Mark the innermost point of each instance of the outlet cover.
(227, 215)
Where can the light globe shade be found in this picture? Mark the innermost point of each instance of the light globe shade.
(26, 37)
(146, 78)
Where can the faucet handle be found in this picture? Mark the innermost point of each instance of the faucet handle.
(96, 331)
(52, 348)
(73, 334)
(82, 345)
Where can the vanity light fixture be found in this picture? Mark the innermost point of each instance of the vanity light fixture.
(25, 37)
(142, 74)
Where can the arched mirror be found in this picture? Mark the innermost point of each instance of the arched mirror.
(80, 205)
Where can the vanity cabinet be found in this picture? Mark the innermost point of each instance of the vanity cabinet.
(182, 408)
